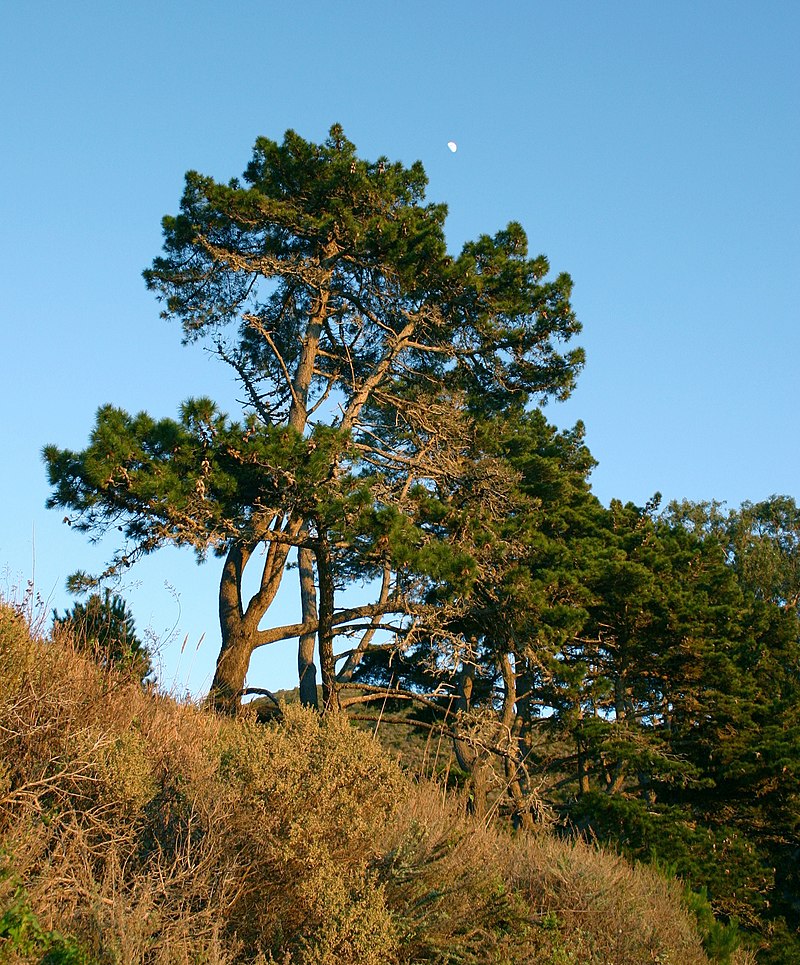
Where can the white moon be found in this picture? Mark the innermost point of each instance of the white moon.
(453, 146)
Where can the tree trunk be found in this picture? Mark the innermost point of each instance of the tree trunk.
(582, 766)
(526, 685)
(468, 756)
(232, 665)
(298, 413)
(355, 657)
(327, 660)
(236, 649)
(239, 627)
(514, 772)
(478, 791)
(306, 668)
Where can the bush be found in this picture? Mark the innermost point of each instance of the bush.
(22, 937)
(153, 831)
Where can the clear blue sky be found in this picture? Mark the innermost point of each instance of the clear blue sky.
(650, 149)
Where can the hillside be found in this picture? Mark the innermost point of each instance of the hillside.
(134, 828)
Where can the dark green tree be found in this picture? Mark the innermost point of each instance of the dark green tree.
(491, 668)
(104, 627)
(749, 748)
(684, 685)
(620, 669)
(363, 351)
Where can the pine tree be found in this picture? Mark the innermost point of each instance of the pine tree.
(104, 627)
(363, 350)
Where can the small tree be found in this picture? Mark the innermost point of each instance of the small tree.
(104, 627)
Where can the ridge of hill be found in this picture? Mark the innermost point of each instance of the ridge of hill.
(138, 829)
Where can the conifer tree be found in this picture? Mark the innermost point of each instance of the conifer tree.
(104, 627)
(707, 749)
(363, 350)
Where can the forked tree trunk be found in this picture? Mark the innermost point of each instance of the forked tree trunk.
(514, 772)
(239, 626)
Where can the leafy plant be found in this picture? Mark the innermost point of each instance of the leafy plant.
(23, 937)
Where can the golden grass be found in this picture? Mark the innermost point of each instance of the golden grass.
(151, 831)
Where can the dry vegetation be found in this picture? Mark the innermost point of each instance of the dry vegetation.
(137, 829)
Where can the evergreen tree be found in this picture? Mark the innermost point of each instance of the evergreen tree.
(363, 351)
(708, 741)
(620, 670)
(490, 669)
(104, 627)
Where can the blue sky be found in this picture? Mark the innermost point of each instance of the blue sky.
(650, 149)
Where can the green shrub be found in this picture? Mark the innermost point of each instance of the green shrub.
(22, 937)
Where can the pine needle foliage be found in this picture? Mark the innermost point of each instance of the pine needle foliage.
(104, 627)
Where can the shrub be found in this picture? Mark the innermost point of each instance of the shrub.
(152, 831)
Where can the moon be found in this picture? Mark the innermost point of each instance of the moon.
(453, 146)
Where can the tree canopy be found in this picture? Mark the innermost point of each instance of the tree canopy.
(366, 354)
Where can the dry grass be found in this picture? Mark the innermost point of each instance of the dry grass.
(147, 830)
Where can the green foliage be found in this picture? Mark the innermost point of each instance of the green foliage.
(104, 627)
(765, 540)
(22, 937)
(720, 940)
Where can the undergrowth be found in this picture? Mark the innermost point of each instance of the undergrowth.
(137, 829)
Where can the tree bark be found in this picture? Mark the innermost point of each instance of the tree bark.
(514, 772)
(306, 668)
(327, 659)
(239, 625)
(468, 757)
(582, 765)
(234, 655)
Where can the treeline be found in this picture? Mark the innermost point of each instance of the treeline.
(632, 675)
(627, 672)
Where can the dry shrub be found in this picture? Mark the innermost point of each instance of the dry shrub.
(154, 832)
(492, 897)
(312, 801)
(609, 911)
(157, 832)
(88, 768)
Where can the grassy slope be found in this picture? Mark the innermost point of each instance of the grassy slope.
(137, 829)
